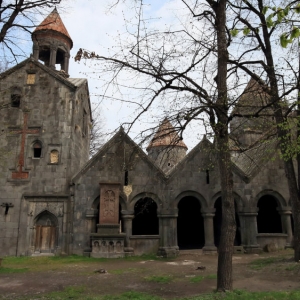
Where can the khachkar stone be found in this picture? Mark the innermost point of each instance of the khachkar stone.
(109, 208)
(108, 241)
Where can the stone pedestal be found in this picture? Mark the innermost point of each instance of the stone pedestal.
(108, 241)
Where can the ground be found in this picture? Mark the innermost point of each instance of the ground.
(168, 278)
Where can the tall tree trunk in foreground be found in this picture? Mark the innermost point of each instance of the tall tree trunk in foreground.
(225, 250)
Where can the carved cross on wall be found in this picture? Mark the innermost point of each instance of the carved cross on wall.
(21, 174)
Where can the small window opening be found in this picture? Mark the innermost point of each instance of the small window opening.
(207, 176)
(15, 100)
(126, 178)
(30, 78)
(37, 150)
(54, 157)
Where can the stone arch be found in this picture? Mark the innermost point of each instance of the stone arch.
(198, 196)
(46, 232)
(137, 197)
(146, 207)
(278, 197)
(190, 222)
(237, 199)
(268, 218)
(238, 204)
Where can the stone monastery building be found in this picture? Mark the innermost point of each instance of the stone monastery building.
(54, 200)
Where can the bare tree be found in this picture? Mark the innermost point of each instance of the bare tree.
(18, 17)
(188, 67)
(97, 131)
(259, 27)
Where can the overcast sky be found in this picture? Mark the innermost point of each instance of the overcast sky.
(94, 27)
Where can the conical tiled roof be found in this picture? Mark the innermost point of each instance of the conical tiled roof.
(166, 135)
(55, 23)
(253, 98)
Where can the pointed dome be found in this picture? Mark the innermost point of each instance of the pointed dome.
(166, 135)
(253, 98)
(54, 23)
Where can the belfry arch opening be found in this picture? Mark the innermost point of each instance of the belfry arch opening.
(190, 225)
(268, 218)
(145, 220)
(218, 223)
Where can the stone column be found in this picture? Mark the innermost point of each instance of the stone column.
(52, 60)
(65, 65)
(248, 223)
(35, 50)
(127, 217)
(168, 233)
(208, 217)
(285, 214)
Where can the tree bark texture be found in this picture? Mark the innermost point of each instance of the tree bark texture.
(225, 250)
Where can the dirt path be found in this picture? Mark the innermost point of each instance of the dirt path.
(146, 276)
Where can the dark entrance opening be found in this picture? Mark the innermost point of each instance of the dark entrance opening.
(145, 220)
(268, 218)
(218, 224)
(190, 226)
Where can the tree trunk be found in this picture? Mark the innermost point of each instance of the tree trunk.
(225, 250)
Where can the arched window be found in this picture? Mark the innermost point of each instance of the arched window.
(268, 218)
(54, 156)
(37, 149)
(145, 220)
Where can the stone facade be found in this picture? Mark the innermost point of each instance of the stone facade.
(44, 139)
(122, 201)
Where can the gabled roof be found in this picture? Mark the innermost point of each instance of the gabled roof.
(54, 22)
(166, 135)
(203, 144)
(105, 148)
(73, 83)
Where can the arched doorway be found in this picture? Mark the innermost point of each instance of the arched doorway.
(190, 226)
(218, 223)
(268, 218)
(145, 220)
(45, 232)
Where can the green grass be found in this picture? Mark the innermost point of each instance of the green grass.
(69, 293)
(199, 278)
(159, 279)
(49, 260)
(77, 293)
(12, 270)
(261, 263)
(145, 257)
(131, 296)
(124, 271)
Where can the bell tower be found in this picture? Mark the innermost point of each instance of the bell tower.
(52, 43)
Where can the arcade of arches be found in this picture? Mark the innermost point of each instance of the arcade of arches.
(199, 227)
